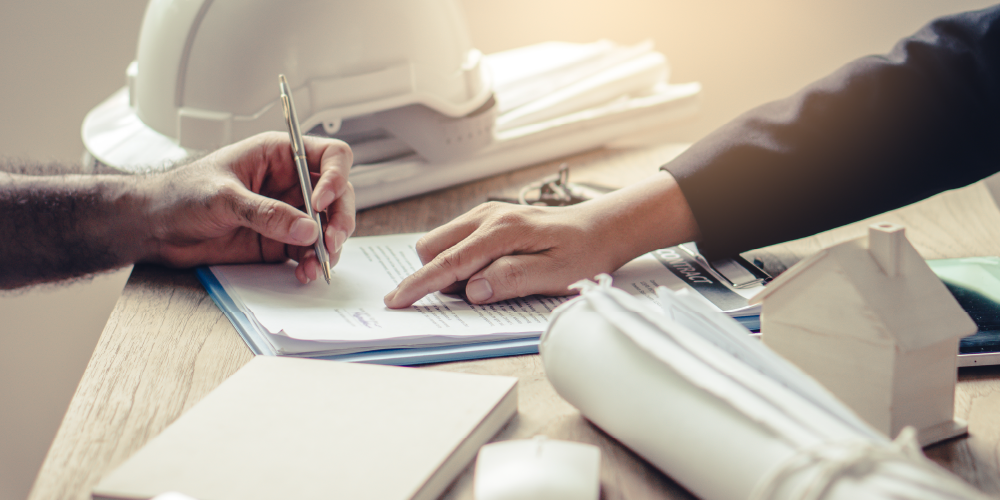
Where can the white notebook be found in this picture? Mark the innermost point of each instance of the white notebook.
(295, 428)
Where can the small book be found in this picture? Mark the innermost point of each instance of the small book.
(302, 429)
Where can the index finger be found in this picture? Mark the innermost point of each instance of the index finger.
(454, 264)
(447, 236)
(334, 159)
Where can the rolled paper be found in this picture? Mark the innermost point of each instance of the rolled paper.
(692, 393)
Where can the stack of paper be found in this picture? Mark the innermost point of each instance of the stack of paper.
(349, 315)
(554, 99)
(289, 318)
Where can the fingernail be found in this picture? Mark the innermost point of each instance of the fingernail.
(479, 290)
(324, 200)
(337, 238)
(303, 231)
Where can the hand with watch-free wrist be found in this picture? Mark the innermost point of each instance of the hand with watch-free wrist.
(498, 251)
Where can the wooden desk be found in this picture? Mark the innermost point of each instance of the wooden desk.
(166, 345)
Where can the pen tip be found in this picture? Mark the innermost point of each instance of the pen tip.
(326, 272)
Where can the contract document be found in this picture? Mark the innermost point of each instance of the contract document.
(349, 315)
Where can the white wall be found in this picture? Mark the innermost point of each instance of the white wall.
(61, 57)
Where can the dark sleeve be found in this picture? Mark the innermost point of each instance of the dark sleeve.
(878, 134)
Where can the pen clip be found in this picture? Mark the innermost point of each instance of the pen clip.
(286, 106)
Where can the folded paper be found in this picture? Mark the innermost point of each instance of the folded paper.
(685, 388)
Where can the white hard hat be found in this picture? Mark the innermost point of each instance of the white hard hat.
(206, 70)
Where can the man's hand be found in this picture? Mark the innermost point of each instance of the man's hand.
(499, 251)
(240, 204)
(243, 203)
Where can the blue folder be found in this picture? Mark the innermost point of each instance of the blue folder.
(259, 345)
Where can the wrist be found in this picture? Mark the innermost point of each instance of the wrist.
(643, 217)
(129, 225)
(146, 200)
(70, 225)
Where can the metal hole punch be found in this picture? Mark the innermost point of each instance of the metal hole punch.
(556, 191)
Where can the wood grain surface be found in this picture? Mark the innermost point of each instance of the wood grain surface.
(166, 345)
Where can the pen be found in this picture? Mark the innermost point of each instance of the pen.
(302, 166)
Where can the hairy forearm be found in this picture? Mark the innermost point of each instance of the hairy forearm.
(66, 226)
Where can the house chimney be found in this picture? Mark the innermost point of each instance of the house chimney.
(884, 242)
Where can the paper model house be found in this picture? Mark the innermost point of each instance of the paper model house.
(871, 321)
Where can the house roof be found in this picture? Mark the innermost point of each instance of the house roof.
(914, 306)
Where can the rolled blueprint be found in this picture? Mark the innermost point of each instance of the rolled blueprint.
(687, 389)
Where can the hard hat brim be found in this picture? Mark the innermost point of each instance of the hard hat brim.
(115, 136)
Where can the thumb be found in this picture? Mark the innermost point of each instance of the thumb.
(277, 220)
(513, 276)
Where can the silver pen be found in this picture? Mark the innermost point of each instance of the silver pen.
(302, 165)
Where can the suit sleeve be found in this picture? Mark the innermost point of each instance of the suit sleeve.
(880, 133)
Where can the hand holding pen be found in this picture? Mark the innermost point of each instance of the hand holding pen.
(327, 249)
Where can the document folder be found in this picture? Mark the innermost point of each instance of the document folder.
(399, 357)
